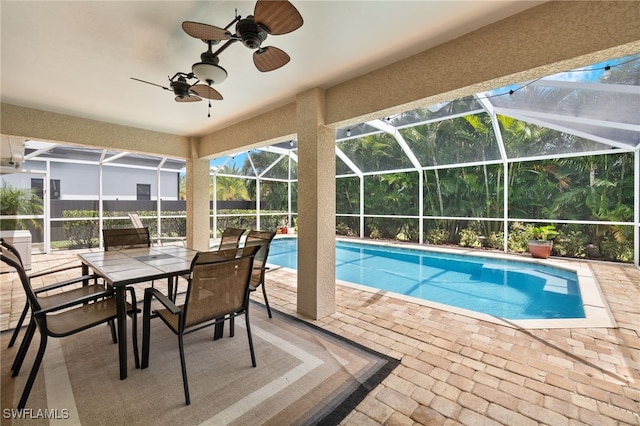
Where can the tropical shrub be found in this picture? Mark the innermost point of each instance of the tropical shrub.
(570, 243)
(18, 201)
(519, 237)
(346, 225)
(470, 238)
(375, 234)
(617, 246)
(437, 236)
(342, 229)
(81, 233)
(408, 232)
(496, 240)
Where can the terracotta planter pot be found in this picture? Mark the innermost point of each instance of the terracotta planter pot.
(540, 249)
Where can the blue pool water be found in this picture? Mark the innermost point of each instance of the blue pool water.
(503, 288)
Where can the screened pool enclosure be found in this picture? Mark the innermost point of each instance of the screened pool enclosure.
(480, 171)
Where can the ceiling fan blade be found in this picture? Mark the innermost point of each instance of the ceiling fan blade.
(205, 32)
(270, 58)
(278, 16)
(153, 84)
(206, 91)
(190, 98)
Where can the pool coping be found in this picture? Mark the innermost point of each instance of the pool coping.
(596, 309)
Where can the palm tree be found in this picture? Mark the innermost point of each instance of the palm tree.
(231, 188)
(18, 201)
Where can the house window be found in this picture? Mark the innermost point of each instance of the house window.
(37, 186)
(143, 192)
(54, 189)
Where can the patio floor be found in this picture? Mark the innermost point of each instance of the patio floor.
(457, 369)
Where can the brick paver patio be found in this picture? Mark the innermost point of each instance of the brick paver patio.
(456, 369)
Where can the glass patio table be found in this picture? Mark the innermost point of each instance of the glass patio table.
(121, 268)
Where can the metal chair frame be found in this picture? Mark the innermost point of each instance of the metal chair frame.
(63, 319)
(218, 290)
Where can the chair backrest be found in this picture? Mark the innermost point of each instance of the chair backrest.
(135, 220)
(11, 258)
(218, 285)
(230, 238)
(262, 239)
(125, 238)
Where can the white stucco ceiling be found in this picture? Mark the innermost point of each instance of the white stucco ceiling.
(77, 57)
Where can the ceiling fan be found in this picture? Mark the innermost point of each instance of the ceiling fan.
(186, 92)
(270, 17)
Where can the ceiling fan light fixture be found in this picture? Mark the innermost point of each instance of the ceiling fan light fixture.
(209, 73)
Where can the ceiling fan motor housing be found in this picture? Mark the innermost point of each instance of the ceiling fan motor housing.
(252, 34)
(180, 87)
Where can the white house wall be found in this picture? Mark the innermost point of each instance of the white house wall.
(81, 181)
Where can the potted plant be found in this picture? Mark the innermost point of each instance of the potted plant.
(283, 226)
(542, 242)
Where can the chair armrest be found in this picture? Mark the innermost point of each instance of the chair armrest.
(259, 268)
(77, 301)
(166, 302)
(132, 292)
(64, 283)
(53, 271)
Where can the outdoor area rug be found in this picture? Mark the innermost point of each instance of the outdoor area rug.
(304, 376)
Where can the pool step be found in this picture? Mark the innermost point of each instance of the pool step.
(516, 277)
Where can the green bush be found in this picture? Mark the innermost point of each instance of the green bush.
(470, 238)
(171, 226)
(519, 237)
(437, 236)
(570, 244)
(617, 251)
(342, 229)
(81, 233)
(496, 240)
(617, 245)
(375, 234)
(269, 220)
(407, 233)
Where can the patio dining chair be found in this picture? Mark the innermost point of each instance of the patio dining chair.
(263, 240)
(129, 238)
(69, 316)
(125, 238)
(231, 238)
(218, 290)
(58, 297)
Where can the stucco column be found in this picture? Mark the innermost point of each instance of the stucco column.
(197, 200)
(316, 207)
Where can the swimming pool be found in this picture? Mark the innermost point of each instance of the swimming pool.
(502, 288)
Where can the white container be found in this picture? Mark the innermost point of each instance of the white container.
(21, 240)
